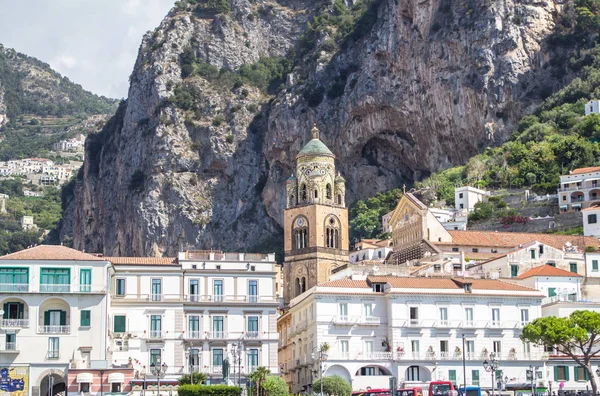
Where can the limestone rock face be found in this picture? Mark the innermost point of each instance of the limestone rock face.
(427, 86)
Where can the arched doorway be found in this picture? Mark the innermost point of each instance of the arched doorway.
(337, 369)
(54, 379)
(417, 374)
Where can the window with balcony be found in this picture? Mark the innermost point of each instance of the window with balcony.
(592, 219)
(194, 289)
(495, 316)
(194, 359)
(85, 280)
(217, 357)
(368, 310)
(469, 316)
(343, 308)
(561, 373)
(253, 359)
(444, 346)
(53, 347)
(470, 347)
(55, 280)
(414, 316)
(594, 265)
(85, 318)
(119, 324)
(524, 316)
(14, 313)
(156, 289)
(514, 270)
(218, 327)
(11, 342)
(414, 346)
(253, 290)
(344, 348)
(573, 267)
(252, 330)
(155, 326)
(526, 348)
(119, 287)
(14, 280)
(54, 320)
(444, 316)
(368, 345)
(497, 347)
(218, 290)
(194, 326)
(155, 357)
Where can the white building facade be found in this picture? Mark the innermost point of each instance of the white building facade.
(466, 197)
(54, 308)
(579, 189)
(592, 107)
(194, 312)
(411, 328)
(591, 221)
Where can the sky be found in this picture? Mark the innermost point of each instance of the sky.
(92, 42)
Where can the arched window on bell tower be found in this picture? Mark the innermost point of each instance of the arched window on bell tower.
(303, 194)
(300, 233)
(332, 233)
(328, 191)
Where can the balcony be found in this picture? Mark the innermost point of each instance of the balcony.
(9, 347)
(217, 335)
(344, 320)
(54, 329)
(216, 369)
(196, 298)
(193, 335)
(14, 287)
(14, 323)
(53, 355)
(156, 334)
(252, 335)
(63, 288)
(370, 320)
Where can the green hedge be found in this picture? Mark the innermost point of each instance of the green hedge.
(209, 390)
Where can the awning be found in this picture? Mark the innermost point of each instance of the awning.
(572, 181)
(84, 378)
(563, 206)
(576, 205)
(116, 378)
(593, 178)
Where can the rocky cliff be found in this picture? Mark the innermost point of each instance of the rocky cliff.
(198, 155)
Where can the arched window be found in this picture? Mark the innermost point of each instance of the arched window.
(412, 373)
(328, 191)
(339, 199)
(298, 292)
(332, 234)
(316, 193)
(292, 201)
(300, 233)
(303, 196)
(303, 285)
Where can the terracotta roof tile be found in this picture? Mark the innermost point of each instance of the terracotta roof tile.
(142, 260)
(547, 270)
(594, 206)
(447, 283)
(579, 171)
(514, 239)
(345, 282)
(51, 252)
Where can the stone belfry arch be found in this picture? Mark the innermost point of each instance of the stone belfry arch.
(315, 219)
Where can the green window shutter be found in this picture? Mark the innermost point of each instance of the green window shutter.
(5, 315)
(452, 375)
(551, 291)
(566, 373)
(595, 265)
(63, 318)
(586, 376)
(47, 318)
(21, 311)
(576, 373)
(85, 318)
(555, 373)
(475, 375)
(119, 324)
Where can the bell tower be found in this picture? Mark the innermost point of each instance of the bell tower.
(315, 219)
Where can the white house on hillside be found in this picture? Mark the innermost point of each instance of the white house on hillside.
(466, 197)
(592, 107)
(591, 221)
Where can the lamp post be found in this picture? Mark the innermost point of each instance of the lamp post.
(464, 366)
(533, 372)
(491, 367)
(321, 354)
(236, 353)
(158, 370)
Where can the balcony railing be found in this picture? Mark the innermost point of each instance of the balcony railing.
(9, 347)
(64, 288)
(370, 320)
(53, 355)
(14, 287)
(155, 334)
(54, 329)
(15, 322)
(197, 298)
(194, 334)
(216, 369)
(252, 335)
(217, 335)
(344, 320)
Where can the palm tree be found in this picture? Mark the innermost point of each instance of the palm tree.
(258, 378)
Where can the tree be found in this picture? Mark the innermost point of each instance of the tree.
(333, 385)
(257, 378)
(275, 386)
(199, 378)
(577, 336)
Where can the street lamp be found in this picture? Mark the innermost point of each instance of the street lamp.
(191, 364)
(236, 353)
(158, 370)
(533, 373)
(491, 367)
(321, 354)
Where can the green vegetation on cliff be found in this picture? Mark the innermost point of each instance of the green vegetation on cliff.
(366, 215)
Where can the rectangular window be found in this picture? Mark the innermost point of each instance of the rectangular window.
(194, 359)
(561, 373)
(119, 324)
(368, 309)
(252, 330)
(443, 346)
(475, 250)
(55, 318)
(218, 290)
(514, 270)
(368, 347)
(55, 280)
(475, 377)
(455, 249)
(253, 359)
(343, 311)
(541, 249)
(253, 290)
(452, 375)
(551, 291)
(526, 347)
(218, 327)
(414, 345)
(497, 346)
(155, 357)
(156, 289)
(344, 348)
(367, 371)
(85, 317)
(115, 387)
(460, 195)
(470, 346)
(85, 280)
(155, 326)
(495, 316)
(194, 326)
(594, 265)
(580, 374)
(444, 316)
(11, 342)
(414, 316)
(53, 347)
(84, 387)
(573, 267)
(469, 316)
(194, 290)
(119, 287)
(592, 219)
(524, 316)
(217, 357)
(532, 254)
(14, 279)
(564, 197)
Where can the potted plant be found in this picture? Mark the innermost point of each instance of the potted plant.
(324, 347)
(457, 351)
(130, 362)
(512, 353)
(484, 353)
(430, 351)
(400, 351)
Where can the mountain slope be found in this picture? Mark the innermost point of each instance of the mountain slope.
(219, 105)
